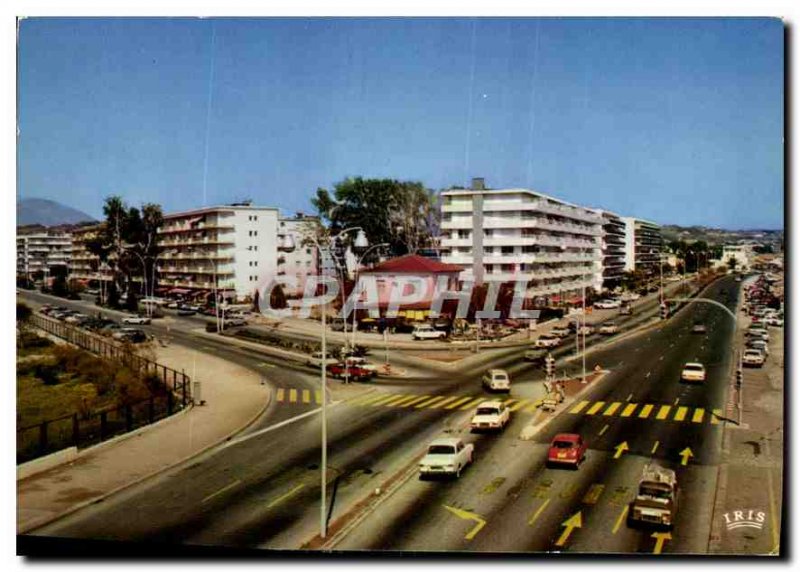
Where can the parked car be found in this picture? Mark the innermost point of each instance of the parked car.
(427, 332)
(446, 456)
(699, 328)
(608, 329)
(496, 380)
(625, 310)
(315, 359)
(362, 363)
(490, 415)
(234, 322)
(186, 311)
(535, 355)
(758, 344)
(341, 370)
(138, 320)
(607, 304)
(173, 305)
(586, 330)
(630, 297)
(561, 331)
(775, 321)
(133, 335)
(566, 449)
(753, 358)
(548, 341)
(693, 372)
(341, 325)
(76, 318)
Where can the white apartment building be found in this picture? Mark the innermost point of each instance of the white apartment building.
(303, 260)
(41, 251)
(742, 253)
(519, 234)
(84, 266)
(613, 246)
(234, 244)
(643, 245)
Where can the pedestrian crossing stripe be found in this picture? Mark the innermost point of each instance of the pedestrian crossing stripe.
(459, 402)
(663, 412)
(519, 405)
(293, 395)
(431, 401)
(306, 396)
(715, 415)
(280, 394)
(698, 415)
(611, 409)
(595, 408)
(448, 400)
(471, 404)
(579, 407)
(629, 409)
(680, 414)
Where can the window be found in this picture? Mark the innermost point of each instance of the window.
(255, 263)
(255, 248)
(488, 233)
(249, 233)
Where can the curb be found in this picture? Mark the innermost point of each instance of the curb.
(51, 519)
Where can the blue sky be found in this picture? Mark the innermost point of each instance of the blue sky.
(675, 120)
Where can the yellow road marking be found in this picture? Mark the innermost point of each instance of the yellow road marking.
(410, 399)
(280, 394)
(655, 446)
(471, 404)
(645, 412)
(220, 491)
(388, 400)
(538, 512)
(509, 401)
(569, 525)
(318, 396)
(680, 414)
(430, 401)
(459, 402)
(416, 400)
(466, 515)
(773, 521)
(595, 408)
(612, 409)
(519, 405)
(629, 409)
(579, 407)
(293, 395)
(663, 412)
(698, 415)
(306, 396)
(661, 538)
(715, 415)
(593, 494)
(533, 406)
(403, 399)
(285, 496)
(620, 518)
(448, 400)
(603, 430)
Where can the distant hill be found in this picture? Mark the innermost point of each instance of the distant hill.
(719, 236)
(48, 213)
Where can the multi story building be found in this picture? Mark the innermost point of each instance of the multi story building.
(643, 245)
(231, 248)
(519, 234)
(303, 261)
(741, 253)
(84, 266)
(613, 249)
(39, 252)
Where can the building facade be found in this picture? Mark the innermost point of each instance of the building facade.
(643, 245)
(518, 234)
(232, 249)
(742, 253)
(613, 246)
(39, 252)
(84, 266)
(303, 261)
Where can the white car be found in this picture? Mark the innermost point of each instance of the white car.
(759, 345)
(607, 304)
(446, 456)
(548, 341)
(234, 321)
(490, 415)
(76, 318)
(139, 320)
(630, 296)
(427, 333)
(608, 329)
(753, 357)
(693, 371)
(315, 360)
(586, 330)
(775, 321)
(757, 333)
(496, 380)
(560, 331)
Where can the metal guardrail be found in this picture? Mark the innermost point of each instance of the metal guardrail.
(82, 430)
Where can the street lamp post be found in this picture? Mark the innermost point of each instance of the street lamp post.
(355, 284)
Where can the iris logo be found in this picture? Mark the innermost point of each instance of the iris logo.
(744, 519)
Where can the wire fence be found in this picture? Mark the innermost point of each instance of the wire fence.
(82, 430)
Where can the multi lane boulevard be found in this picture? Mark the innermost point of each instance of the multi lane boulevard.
(263, 490)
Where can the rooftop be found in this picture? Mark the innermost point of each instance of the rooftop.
(412, 264)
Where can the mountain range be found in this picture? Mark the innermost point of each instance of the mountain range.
(48, 213)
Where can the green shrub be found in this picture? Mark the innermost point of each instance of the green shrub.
(47, 372)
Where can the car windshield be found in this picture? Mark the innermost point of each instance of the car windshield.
(654, 491)
(563, 444)
(693, 367)
(488, 411)
(441, 450)
(500, 376)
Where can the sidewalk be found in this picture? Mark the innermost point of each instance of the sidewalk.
(234, 398)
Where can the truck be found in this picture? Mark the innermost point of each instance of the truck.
(655, 502)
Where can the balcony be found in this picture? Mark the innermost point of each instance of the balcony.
(458, 207)
(465, 259)
(451, 242)
(457, 223)
(539, 240)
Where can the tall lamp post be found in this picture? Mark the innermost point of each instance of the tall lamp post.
(288, 246)
(355, 282)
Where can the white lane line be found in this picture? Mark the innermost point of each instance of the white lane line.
(276, 426)
(220, 491)
(648, 375)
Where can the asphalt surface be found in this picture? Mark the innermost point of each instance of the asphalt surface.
(264, 491)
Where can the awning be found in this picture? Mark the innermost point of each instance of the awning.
(179, 291)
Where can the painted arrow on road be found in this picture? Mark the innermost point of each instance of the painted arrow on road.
(661, 538)
(685, 454)
(570, 524)
(466, 515)
(621, 448)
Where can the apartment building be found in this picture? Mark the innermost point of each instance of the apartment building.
(303, 261)
(519, 234)
(232, 248)
(84, 266)
(39, 252)
(643, 245)
(742, 253)
(613, 249)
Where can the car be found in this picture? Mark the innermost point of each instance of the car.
(692, 372)
(341, 325)
(173, 305)
(133, 335)
(753, 358)
(630, 297)
(536, 355)
(194, 307)
(341, 370)
(625, 310)
(427, 332)
(76, 319)
(490, 415)
(233, 322)
(775, 321)
(608, 329)
(607, 304)
(561, 331)
(548, 341)
(138, 320)
(566, 449)
(315, 359)
(759, 345)
(185, 311)
(446, 456)
(496, 380)
(757, 333)
(586, 330)
(699, 328)
(92, 291)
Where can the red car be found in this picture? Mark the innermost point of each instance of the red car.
(355, 372)
(566, 449)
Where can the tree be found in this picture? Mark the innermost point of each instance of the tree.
(732, 262)
(277, 298)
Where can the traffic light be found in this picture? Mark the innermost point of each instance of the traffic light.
(739, 377)
(664, 311)
(549, 365)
